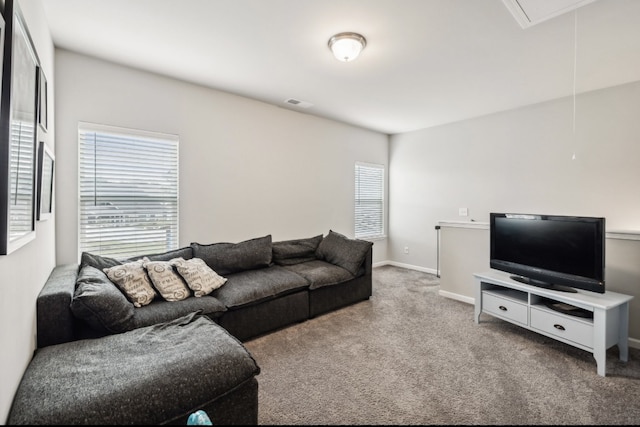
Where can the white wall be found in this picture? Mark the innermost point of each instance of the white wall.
(247, 169)
(24, 271)
(518, 160)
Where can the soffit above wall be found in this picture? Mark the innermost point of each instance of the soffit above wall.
(531, 12)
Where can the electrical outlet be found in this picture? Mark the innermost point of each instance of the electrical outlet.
(406, 249)
(463, 212)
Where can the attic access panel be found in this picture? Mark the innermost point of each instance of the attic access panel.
(531, 12)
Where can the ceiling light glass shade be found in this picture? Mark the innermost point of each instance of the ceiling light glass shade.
(347, 46)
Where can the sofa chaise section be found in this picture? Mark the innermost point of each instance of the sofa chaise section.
(158, 374)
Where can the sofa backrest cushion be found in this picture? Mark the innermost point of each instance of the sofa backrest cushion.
(343, 251)
(226, 258)
(101, 262)
(100, 303)
(290, 252)
(97, 261)
(184, 253)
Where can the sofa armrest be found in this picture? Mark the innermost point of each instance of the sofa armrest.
(368, 262)
(55, 321)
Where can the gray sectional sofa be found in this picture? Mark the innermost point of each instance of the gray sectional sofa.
(83, 318)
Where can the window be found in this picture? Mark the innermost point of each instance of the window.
(128, 191)
(369, 209)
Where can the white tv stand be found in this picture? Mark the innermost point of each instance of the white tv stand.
(500, 296)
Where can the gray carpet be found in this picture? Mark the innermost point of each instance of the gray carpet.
(410, 356)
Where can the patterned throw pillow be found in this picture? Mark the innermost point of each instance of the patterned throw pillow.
(166, 280)
(132, 279)
(198, 275)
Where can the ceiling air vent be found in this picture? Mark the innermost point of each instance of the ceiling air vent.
(298, 103)
(531, 12)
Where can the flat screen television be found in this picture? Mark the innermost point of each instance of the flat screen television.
(552, 251)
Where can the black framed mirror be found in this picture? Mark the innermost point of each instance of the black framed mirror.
(18, 130)
(46, 162)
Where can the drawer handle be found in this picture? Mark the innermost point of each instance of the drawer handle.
(503, 308)
(560, 327)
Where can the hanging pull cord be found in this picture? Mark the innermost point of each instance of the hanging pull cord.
(575, 67)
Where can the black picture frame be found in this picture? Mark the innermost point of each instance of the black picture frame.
(18, 131)
(46, 164)
(43, 91)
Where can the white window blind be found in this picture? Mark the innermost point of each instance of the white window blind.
(128, 191)
(369, 200)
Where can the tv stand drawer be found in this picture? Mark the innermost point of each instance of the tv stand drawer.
(507, 308)
(562, 326)
(530, 307)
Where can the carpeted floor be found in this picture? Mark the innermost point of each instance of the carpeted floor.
(410, 356)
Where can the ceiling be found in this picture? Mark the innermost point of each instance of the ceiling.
(426, 63)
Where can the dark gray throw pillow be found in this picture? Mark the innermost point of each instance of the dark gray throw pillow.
(226, 258)
(100, 303)
(343, 252)
(289, 252)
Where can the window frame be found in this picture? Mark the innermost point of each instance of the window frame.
(358, 197)
(129, 216)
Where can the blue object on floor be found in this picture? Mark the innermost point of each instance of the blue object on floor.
(199, 418)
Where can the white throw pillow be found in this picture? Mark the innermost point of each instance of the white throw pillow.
(132, 279)
(166, 280)
(199, 276)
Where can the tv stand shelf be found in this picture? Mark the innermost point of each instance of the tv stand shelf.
(498, 295)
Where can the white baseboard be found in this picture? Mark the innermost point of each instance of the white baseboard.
(457, 297)
(409, 266)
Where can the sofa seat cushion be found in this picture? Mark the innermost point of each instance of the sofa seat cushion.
(253, 286)
(150, 375)
(163, 311)
(320, 273)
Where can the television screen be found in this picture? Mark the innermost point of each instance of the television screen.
(549, 250)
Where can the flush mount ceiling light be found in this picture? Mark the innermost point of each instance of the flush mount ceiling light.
(347, 46)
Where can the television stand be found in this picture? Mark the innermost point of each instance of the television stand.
(525, 305)
(541, 284)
